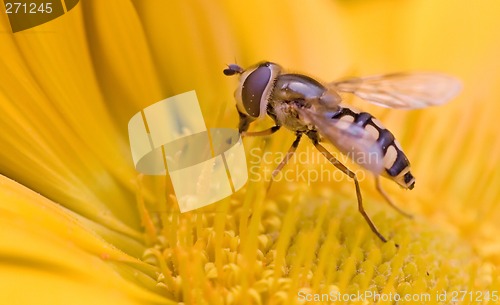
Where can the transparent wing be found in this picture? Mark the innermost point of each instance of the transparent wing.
(402, 90)
(352, 140)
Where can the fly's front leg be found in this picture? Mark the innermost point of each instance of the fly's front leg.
(352, 175)
(245, 121)
(265, 132)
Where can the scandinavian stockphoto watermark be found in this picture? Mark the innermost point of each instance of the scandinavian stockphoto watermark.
(204, 165)
(307, 165)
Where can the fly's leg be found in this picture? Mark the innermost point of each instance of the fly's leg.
(265, 132)
(352, 175)
(388, 199)
(245, 121)
(287, 157)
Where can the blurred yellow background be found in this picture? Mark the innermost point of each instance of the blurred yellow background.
(69, 87)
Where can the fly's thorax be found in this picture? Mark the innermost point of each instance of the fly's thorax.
(290, 87)
(293, 87)
(293, 91)
(284, 113)
(255, 89)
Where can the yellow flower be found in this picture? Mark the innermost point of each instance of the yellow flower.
(80, 226)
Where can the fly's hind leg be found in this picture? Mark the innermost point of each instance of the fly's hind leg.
(388, 199)
(352, 175)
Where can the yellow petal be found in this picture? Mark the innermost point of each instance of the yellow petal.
(47, 256)
(58, 135)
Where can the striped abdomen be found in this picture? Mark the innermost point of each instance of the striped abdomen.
(396, 164)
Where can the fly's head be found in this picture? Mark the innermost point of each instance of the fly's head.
(255, 87)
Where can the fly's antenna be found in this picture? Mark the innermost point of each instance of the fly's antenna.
(233, 69)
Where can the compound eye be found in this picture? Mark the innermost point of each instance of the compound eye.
(253, 89)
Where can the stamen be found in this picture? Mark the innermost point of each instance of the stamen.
(146, 221)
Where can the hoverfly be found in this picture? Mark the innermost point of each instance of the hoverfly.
(308, 107)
